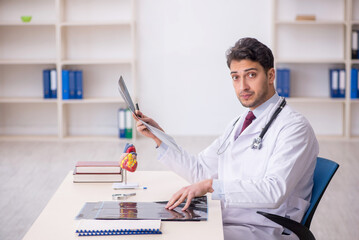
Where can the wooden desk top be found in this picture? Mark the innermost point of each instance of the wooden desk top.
(57, 220)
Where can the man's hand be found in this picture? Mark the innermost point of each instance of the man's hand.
(189, 192)
(143, 129)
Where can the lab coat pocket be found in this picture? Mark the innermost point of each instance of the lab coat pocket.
(253, 164)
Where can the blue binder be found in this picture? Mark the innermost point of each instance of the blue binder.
(279, 84)
(342, 83)
(121, 119)
(65, 84)
(72, 85)
(334, 83)
(286, 82)
(354, 85)
(53, 83)
(128, 124)
(78, 84)
(46, 83)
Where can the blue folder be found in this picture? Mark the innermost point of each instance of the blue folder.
(72, 85)
(53, 83)
(65, 84)
(334, 83)
(121, 119)
(354, 90)
(279, 84)
(78, 84)
(46, 83)
(286, 82)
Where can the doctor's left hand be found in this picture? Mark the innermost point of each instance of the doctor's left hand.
(189, 192)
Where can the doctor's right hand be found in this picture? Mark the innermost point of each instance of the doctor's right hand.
(143, 129)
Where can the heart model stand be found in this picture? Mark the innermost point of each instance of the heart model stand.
(128, 163)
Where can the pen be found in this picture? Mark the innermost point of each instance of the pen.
(138, 108)
(122, 188)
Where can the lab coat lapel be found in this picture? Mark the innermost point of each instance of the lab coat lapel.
(259, 123)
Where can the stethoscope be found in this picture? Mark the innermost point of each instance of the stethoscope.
(257, 142)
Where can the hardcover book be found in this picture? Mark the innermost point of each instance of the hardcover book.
(98, 167)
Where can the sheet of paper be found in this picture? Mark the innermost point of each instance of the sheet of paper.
(167, 139)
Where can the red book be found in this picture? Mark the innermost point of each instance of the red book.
(98, 167)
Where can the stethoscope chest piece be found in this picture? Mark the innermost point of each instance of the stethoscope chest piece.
(257, 143)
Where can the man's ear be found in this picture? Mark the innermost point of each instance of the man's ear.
(271, 75)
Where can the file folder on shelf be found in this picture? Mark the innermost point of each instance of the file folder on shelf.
(354, 84)
(78, 84)
(334, 83)
(342, 83)
(53, 83)
(65, 84)
(128, 125)
(121, 123)
(46, 83)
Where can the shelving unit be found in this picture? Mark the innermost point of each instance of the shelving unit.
(97, 37)
(309, 49)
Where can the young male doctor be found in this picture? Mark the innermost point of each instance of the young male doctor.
(276, 177)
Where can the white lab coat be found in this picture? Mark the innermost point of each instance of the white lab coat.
(278, 178)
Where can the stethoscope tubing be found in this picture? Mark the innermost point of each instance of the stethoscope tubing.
(263, 132)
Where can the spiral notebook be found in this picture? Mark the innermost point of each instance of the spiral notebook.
(90, 227)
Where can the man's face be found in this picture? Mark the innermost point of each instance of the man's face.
(251, 83)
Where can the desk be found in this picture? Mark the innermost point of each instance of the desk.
(57, 220)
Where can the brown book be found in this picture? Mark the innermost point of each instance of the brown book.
(98, 167)
(305, 18)
(96, 177)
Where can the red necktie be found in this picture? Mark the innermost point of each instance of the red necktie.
(249, 118)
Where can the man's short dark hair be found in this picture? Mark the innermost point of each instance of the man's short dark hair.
(251, 49)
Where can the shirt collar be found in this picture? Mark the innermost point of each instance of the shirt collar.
(259, 110)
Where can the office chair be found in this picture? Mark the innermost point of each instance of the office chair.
(323, 173)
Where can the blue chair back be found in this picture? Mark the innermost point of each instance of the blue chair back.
(323, 173)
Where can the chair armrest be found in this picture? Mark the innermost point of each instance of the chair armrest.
(298, 229)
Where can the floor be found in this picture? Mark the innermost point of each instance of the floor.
(31, 171)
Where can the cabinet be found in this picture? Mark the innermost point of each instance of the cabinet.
(95, 36)
(309, 49)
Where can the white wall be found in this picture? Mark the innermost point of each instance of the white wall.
(183, 80)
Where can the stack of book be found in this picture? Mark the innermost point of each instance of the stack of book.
(97, 171)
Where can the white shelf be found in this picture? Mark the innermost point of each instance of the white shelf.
(27, 24)
(29, 138)
(90, 138)
(27, 100)
(93, 100)
(97, 37)
(96, 23)
(315, 100)
(311, 60)
(309, 49)
(305, 22)
(27, 61)
(97, 61)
